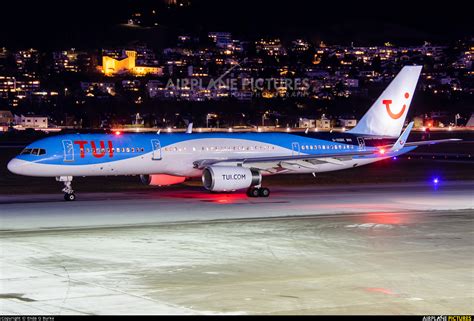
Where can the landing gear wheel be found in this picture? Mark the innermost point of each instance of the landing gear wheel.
(70, 197)
(68, 191)
(253, 192)
(264, 192)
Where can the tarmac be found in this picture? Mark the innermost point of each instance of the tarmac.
(403, 248)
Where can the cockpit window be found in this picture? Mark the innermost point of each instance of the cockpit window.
(33, 151)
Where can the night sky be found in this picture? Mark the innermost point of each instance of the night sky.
(86, 23)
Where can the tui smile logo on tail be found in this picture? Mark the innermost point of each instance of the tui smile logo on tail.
(388, 102)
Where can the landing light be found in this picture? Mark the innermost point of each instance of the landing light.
(435, 180)
(382, 151)
(118, 133)
(394, 157)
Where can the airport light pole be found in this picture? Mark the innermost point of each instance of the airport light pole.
(263, 118)
(456, 117)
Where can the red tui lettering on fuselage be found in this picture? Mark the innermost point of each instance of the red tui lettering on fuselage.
(96, 152)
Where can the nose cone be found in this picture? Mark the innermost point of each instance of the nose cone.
(14, 166)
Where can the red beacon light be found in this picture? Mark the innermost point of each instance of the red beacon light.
(382, 151)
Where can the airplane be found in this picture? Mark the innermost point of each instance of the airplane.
(228, 161)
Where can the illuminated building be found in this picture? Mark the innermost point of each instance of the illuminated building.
(6, 119)
(65, 61)
(14, 90)
(221, 39)
(7, 85)
(300, 45)
(113, 66)
(27, 61)
(178, 3)
(72, 61)
(103, 87)
(271, 47)
(32, 121)
(131, 85)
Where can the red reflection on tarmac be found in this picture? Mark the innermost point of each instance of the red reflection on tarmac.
(230, 198)
(386, 218)
(381, 290)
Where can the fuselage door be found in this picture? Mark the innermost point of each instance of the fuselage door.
(295, 146)
(68, 151)
(156, 147)
(361, 142)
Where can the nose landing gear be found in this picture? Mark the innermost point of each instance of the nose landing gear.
(68, 191)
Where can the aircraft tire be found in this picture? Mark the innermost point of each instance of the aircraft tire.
(70, 197)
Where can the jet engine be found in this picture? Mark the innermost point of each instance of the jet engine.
(161, 179)
(229, 178)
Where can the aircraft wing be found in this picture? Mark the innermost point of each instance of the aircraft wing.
(275, 164)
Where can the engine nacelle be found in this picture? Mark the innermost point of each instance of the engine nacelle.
(229, 178)
(161, 179)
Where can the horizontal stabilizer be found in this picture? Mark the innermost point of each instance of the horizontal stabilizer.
(432, 142)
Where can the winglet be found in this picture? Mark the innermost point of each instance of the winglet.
(189, 130)
(402, 139)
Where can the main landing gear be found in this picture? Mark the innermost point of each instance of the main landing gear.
(258, 192)
(68, 191)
